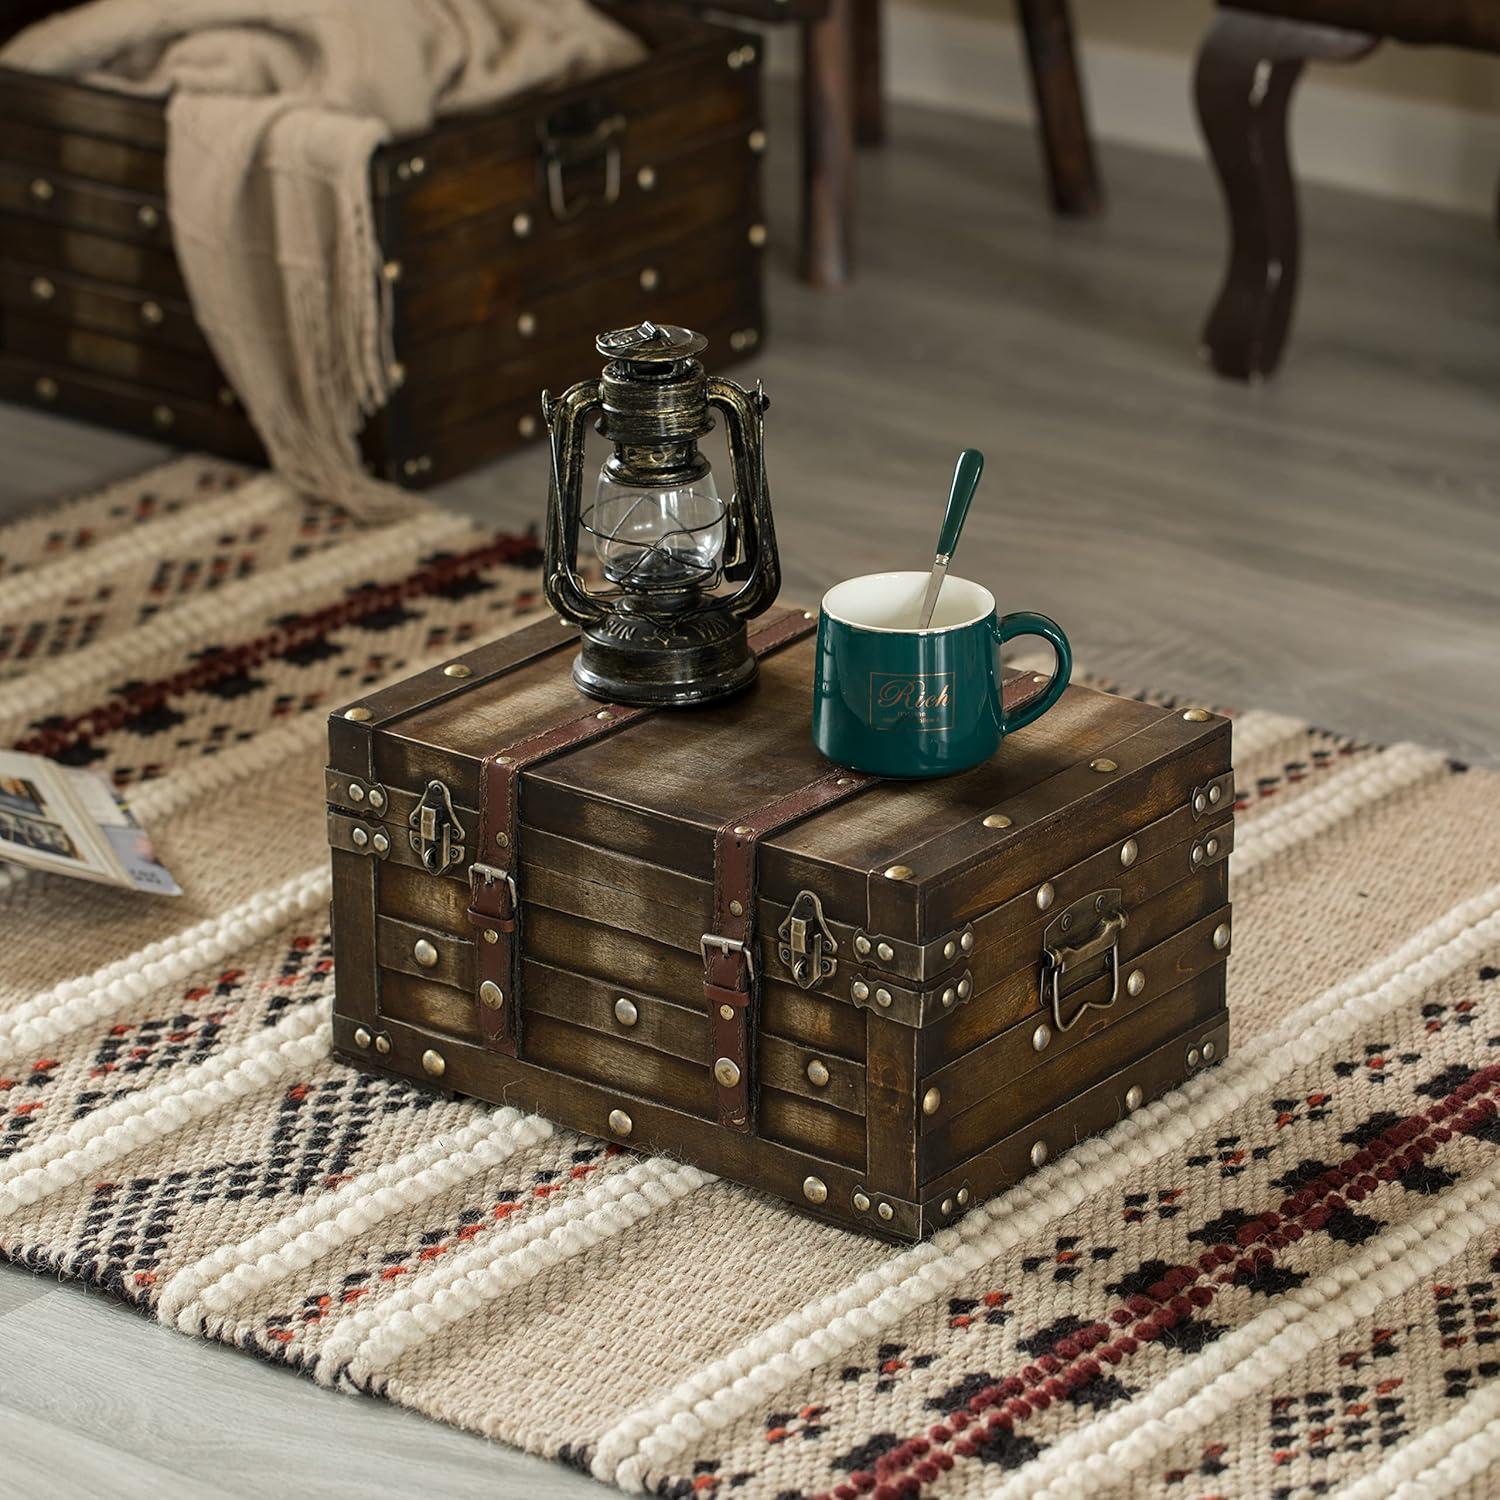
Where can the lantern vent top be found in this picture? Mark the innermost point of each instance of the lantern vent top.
(651, 343)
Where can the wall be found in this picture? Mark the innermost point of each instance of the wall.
(1418, 123)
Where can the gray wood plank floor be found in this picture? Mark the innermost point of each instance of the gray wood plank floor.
(1327, 545)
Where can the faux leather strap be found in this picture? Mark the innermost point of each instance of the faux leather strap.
(729, 973)
(494, 897)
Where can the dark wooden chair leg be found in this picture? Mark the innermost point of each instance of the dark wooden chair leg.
(869, 74)
(1247, 70)
(828, 146)
(1057, 88)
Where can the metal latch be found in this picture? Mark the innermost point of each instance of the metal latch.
(1088, 929)
(436, 834)
(807, 946)
(574, 140)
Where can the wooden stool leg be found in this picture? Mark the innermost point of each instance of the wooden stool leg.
(1058, 90)
(1247, 70)
(828, 146)
(869, 74)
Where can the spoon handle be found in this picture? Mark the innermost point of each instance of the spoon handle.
(965, 482)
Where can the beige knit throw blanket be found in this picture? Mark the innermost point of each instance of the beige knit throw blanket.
(275, 107)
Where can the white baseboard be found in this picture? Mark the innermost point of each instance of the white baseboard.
(1398, 148)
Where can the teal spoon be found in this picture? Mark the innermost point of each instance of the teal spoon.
(965, 482)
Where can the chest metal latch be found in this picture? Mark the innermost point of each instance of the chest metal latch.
(807, 946)
(436, 833)
(1089, 929)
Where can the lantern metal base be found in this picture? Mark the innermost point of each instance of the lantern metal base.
(636, 660)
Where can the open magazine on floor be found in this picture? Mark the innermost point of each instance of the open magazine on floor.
(60, 818)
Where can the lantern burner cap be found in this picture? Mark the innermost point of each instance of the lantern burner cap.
(650, 342)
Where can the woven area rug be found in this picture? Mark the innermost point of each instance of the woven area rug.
(1280, 1281)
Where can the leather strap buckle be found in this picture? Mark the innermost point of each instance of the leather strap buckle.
(727, 946)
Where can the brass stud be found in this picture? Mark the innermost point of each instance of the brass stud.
(843, 780)
(620, 1123)
(861, 1201)
(46, 388)
(1196, 715)
(377, 798)
(358, 714)
(948, 997)
(361, 1038)
(741, 831)
(163, 416)
(490, 935)
(520, 226)
(1221, 936)
(625, 1012)
(756, 141)
(963, 1197)
(432, 1062)
(862, 945)
(817, 1073)
(932, 1101)
(860, 990)
(526, 425)
(726, 1013)
(1216, 795)
(356, 792)
(1192, 1057)
(899, 872)
(502, 840)
(886, 1212)
(736, 908)
(1200, 803)
(966, 941)
(1130, 851)
(391, 270)
(151, 313)
(736, 61)
(965, 987)
(418, 165)
(950, 949)
(815, 1190)
(1038, 1153)
(1041, 1038)
(148, 216)
(457, 669)
(604, 713)
(227, 397)
(650, 278)
(882, 997)
(998, 820)
(1212, 846)
(1208, 1051)
(1045, 896)
(42, 289)
(885, 952)
(526, 325)
(359, 838)
(946, 1207)
(726, 1072)
(425, 954)
(382, 1043)
(380, 843)
(645, 179)
(41, 190)
(1136, 982)
(756, 234)
(1133, 1096)
(1197, 855)
(1104, 765)
(491, 994)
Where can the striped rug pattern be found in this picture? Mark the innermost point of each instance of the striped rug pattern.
(1282, 1280)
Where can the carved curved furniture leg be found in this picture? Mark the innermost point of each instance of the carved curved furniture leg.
(1247, 69)
(828, 165)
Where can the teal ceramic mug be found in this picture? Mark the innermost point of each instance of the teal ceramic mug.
(894, 700)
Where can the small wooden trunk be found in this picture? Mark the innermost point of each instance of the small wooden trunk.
(510, 238)
(948, 982)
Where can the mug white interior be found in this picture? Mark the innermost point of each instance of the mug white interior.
(893, 602)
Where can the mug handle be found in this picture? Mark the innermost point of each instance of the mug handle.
(1023, 622)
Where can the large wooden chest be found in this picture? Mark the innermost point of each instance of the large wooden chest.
(510, 237)
(946, 983)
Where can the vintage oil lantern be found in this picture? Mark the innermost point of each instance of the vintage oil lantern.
(684, 569)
